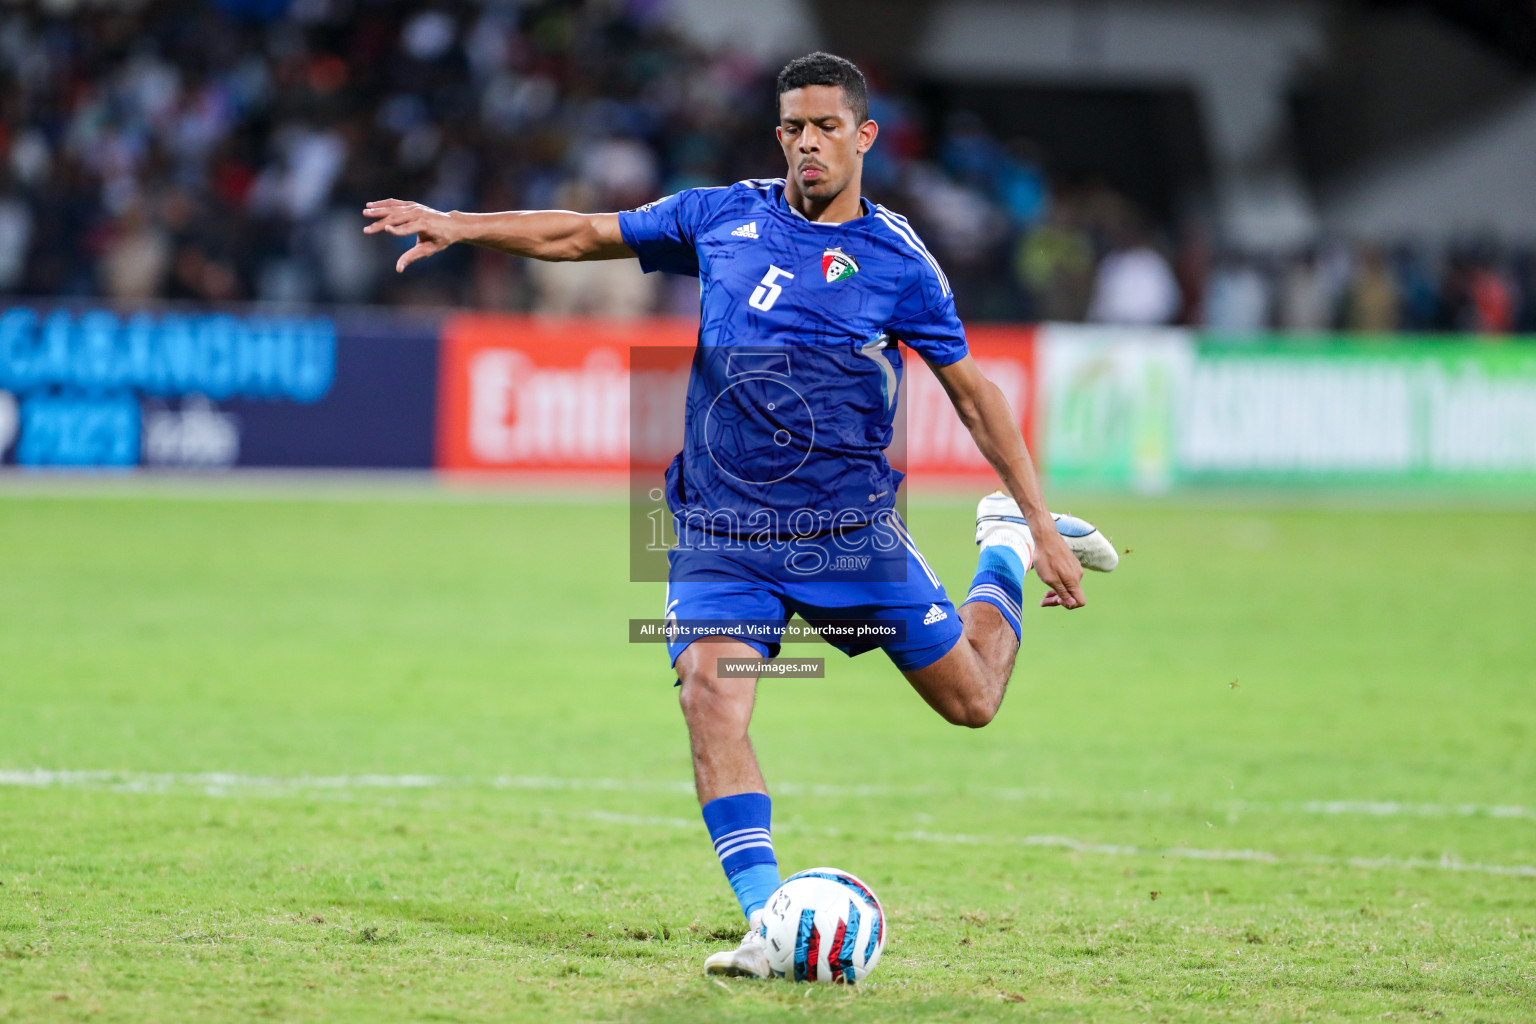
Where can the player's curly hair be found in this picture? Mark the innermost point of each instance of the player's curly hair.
(828, 69)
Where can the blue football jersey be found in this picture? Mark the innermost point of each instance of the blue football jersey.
(795, 380)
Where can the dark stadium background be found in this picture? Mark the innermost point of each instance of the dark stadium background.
(219, 152)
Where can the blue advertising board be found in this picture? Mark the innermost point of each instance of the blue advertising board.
(94, 387)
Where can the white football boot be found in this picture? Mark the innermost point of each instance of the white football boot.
(749, 960)
(999, 521)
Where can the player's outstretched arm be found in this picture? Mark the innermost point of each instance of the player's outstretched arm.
(984, 411)
(556, 235)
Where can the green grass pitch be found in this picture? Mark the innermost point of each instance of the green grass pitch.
(388, 756)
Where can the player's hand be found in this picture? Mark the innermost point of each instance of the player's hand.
(1059, 569)
(433, 228)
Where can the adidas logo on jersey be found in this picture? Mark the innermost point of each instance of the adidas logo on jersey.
(935, 614)
(748, 230)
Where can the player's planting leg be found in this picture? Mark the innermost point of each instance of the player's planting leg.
(736, 807)
(718, 711)
(739, 826)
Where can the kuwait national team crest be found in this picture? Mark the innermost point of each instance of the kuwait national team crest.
(838, 265)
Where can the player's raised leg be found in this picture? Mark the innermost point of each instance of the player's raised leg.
(737, 810)
(997, 513)
(966, 686)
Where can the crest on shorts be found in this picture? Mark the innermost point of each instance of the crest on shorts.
(838, 265)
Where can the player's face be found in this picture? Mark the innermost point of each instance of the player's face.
(823, 142)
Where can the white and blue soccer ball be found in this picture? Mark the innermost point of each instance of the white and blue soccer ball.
(823, 925)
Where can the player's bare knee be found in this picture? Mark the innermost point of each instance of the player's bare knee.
(709, 702)
(697, 694)
(981, 715)
(970, 712)
(967, 704)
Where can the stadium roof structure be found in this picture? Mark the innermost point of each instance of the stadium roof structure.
(1506, 26)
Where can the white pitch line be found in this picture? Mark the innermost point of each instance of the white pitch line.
(1445, 863)
(1383, 809)
(223, 783)
(135, 782)
(1390, 808)
(156, 782)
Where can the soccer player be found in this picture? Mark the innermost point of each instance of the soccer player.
(806, 287)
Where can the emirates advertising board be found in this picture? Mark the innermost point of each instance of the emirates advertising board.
(552, 397)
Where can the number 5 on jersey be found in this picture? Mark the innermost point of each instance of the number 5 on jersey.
(767, 291)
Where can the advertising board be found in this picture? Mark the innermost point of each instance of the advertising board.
(1147, 409)
(93, 387)
(553, 396)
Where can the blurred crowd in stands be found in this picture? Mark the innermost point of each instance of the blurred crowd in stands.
(212, 152)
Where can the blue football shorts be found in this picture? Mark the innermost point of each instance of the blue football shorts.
(748, 596)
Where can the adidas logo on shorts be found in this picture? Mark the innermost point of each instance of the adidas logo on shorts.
(748, 230)
(935, 614)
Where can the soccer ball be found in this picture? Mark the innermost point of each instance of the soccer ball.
(823, 925)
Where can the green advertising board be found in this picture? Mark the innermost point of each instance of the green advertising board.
(1151, 409)
(1106, 409)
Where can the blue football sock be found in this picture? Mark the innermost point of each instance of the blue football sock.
(739, 827)
(1000, 582)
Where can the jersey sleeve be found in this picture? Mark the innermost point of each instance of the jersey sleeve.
(663, 233)
(926, 320)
